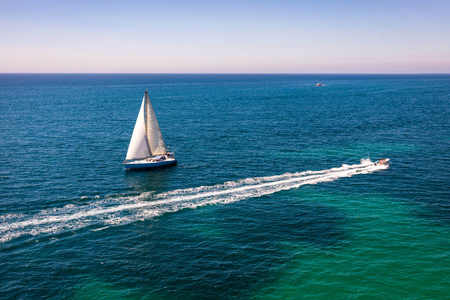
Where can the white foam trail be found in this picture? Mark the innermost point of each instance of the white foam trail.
(122, 210)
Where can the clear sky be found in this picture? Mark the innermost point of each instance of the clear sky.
(245, 36)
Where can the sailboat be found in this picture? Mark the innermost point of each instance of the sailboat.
(147, 148)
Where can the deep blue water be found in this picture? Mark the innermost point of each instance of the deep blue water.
(236, 218)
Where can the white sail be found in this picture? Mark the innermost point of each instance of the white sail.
(139, 147)
(155, 139)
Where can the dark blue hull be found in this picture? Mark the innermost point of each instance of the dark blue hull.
(149, 165)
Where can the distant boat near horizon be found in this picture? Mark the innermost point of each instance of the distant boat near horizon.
(147, 148)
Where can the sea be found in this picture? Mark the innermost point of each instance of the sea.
(275, 195)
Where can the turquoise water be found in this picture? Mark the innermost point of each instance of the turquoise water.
(274, 195)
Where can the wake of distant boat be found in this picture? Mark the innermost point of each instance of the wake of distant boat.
(120, 210)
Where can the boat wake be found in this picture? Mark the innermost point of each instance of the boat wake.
(119, 210)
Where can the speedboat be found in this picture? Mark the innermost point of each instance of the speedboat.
(382, 161)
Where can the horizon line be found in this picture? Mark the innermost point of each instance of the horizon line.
(220, 73)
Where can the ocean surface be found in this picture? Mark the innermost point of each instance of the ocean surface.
(275, 195)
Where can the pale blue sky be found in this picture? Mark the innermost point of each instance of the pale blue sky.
(271, 36)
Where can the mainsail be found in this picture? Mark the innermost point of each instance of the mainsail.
(146, 140)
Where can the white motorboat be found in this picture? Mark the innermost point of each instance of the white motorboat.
(382, 161)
